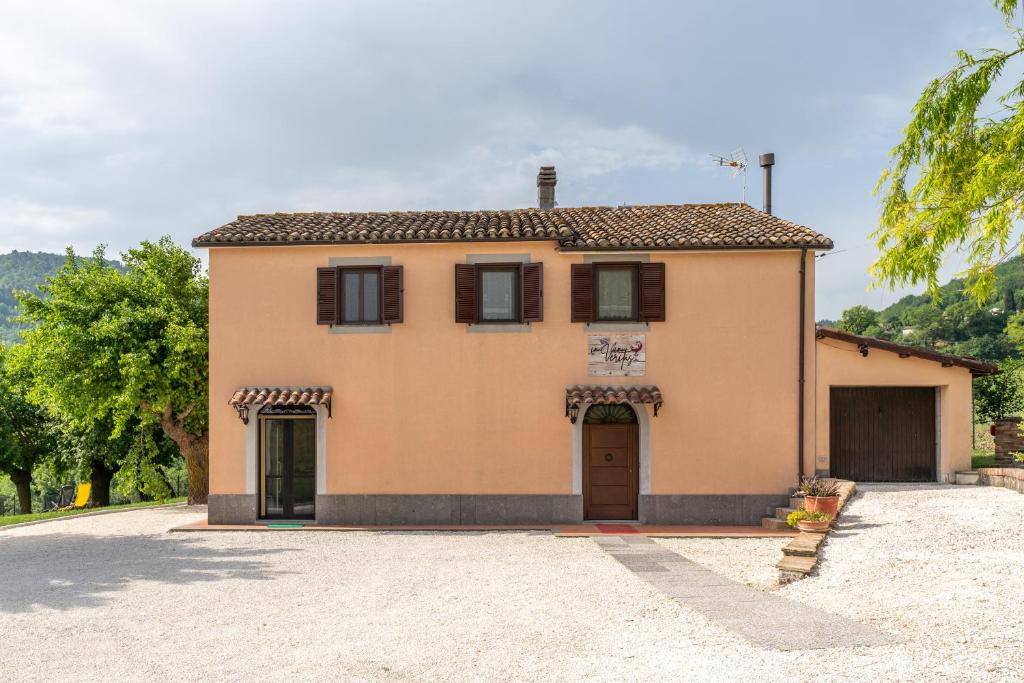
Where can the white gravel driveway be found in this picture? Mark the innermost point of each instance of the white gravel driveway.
(114, 597)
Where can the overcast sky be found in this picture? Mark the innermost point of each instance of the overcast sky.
(125, 121)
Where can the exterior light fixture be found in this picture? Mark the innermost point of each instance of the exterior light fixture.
(572, 411)
(243, 412)
(863, 348)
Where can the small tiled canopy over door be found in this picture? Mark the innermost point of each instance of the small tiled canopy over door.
(882, 433)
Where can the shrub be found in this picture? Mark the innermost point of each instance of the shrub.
(793, 517)
(819, 488)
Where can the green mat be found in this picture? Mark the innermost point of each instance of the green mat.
(287, 525)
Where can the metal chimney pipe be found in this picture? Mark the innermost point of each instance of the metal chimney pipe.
(546, 181)
(767, 161)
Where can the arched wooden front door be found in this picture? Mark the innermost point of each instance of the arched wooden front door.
(611, 463)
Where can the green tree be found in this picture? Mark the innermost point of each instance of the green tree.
(858, 319)
(130, 346)
(25, 433)
(999, 396)
(956, 180)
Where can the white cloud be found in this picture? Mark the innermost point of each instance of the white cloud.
(32, 226)
(496, 173)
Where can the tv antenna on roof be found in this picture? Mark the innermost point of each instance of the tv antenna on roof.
(737, 161)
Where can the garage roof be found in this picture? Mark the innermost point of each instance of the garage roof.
(976, 366)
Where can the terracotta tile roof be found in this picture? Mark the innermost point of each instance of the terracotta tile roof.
(595, 393)
(678, 226)
(282, 396)
(977, 367)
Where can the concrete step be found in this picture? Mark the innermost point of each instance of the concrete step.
(800, 565)
(774, 523)
(796, 502)
(783, 513)
(967, 478)
(804, 545)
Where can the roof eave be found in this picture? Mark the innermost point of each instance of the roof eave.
(714, 247)
(978, 368)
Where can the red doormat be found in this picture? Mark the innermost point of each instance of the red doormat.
(616, 529)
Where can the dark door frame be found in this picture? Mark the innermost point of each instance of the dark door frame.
(633, 466)
(286, 483)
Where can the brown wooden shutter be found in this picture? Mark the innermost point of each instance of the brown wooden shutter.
(465, 293)
(326, 296)
(392, 307)
(582, 298)
(532, 282)
(652, 292)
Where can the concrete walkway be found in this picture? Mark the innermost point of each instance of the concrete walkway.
(764, 619)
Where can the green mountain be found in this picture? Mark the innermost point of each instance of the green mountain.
(23, 270)
(953, 324)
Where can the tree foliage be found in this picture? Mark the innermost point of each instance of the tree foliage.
(999, 396)
(26, 435)
(858, 320)
(956, 180)
(953, 322)
(23, 270)
(128, 346)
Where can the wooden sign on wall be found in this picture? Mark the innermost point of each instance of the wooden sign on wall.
(623, 355)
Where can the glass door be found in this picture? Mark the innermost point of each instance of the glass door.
(289, 467)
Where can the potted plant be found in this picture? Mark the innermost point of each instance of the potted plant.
(805, 520)
(821, 495)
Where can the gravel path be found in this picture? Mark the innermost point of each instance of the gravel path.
(115, 597)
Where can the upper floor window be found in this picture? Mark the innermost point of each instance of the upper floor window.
(359, 295)
(618, 292)
(499, 293)
(498, 288)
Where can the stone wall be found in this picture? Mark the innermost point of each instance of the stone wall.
(1007, 477)
(1008, 438)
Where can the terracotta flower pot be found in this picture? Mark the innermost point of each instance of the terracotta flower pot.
(819, 527)
(827, 504)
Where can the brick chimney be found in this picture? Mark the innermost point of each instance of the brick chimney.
(546, 187)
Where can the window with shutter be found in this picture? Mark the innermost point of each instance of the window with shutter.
(618, 292)
(499, 293)
(359, 295)
(582, 297)
(326, 296)
(652, 292)
(532, 277)
(392, 305)
(465, 293)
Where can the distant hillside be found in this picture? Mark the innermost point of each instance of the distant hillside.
(23, 270)
(954, 324)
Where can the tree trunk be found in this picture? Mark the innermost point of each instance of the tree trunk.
(22, 480)
(100, 480)
(195, 448)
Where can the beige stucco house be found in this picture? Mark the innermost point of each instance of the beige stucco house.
(651, 363)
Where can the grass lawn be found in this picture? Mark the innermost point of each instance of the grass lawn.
(982, 459)
(17, 519)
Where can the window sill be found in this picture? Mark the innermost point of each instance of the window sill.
(609, 326)
(498, 328)
(380, 328)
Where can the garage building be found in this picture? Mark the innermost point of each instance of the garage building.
(890, 412)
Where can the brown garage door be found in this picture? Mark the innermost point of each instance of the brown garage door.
(882, 433)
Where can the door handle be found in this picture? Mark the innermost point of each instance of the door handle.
(609, 457)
